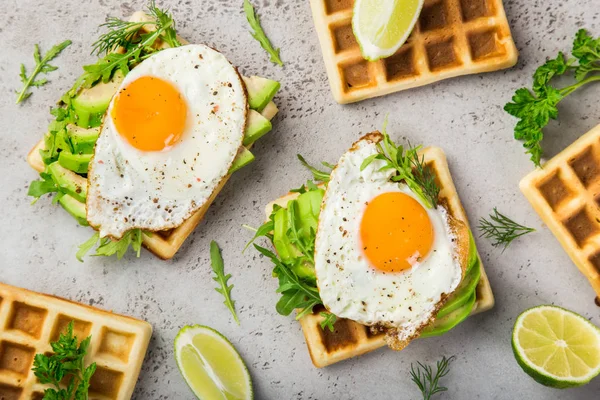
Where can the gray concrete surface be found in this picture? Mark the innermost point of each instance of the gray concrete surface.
(463, 115)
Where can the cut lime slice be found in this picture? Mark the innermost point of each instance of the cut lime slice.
(382, 26)
(556, 347)
(211, 366)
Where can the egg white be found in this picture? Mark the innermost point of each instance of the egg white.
(130, 188)
(348, 285)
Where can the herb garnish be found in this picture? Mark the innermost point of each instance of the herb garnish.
(109, 247)
(502, 229)
(41, 67)
(66, 362)
(216, 261)
(259, 34)
(410, 168)
(536, 107)
(427, 382)
(328, 321)
(318, 175)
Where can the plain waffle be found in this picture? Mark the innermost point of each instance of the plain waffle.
(30, 321)
(566, 194)
(351, 339)
(451, 38)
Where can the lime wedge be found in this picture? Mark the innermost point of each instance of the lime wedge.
(556, 347)
(210, 365)
(382, 26)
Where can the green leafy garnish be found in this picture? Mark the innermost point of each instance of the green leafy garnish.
(41, 187)
(426, 380)
(219, 269)
(259, 34)
(66, 365)
(41, 67)
(502, 229)
(318, 175)
(409, 167)
(108, 247)
(329, 320)
(536, 107)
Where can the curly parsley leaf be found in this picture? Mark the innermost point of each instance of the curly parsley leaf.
(216, 261)
(259, 34)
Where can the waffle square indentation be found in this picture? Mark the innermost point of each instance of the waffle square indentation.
(106, 382)
(81, 329)
(16, 358)
(37, 396)
(473, 9)
(356, 75)
(333, 6)
(401, 65)
(484, 45)
(585, 166)
(342, 336)
(434, 16)
(595, 261)
(442, 55)
(582, 226)
(554, 191)
(27, 318)
(10, 392)
(116, 344)
(343, 38)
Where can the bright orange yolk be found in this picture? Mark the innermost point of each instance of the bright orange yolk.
(396, 232)
(150, 113)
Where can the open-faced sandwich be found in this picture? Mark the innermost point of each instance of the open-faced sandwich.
(147, 136)
(379, 252)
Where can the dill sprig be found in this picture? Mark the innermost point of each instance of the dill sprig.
(502, 229)
(426, 380)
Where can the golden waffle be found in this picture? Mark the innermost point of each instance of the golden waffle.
(451, 38)
(351, 339)
(29, 321)
(566, 195)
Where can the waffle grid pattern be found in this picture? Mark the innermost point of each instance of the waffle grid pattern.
(29, 321)
(451, 38)
(566, 195)
(351, 339)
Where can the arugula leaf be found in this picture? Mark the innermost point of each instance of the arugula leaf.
(108, 247)
(329, 320)
(318, 175)
(259, 34)
(535, 108)
(216, 261)
(39, 188)
(42, 66)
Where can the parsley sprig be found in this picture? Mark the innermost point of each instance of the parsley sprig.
(502, 229)
(259, 34)
(42, 66)
(536, 107)
(66, 362)
(216, 261)
(426, 380)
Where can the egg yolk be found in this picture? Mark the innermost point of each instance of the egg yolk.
(395, 232)
(150, 113)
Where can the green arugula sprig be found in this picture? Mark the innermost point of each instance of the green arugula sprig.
(216, 261)
(66, 362)
(502, 229)
(409, 167)
(426, 380)
(42, 66)
(318, 175)
(259, 34)
(536, 107)
(108, 247)
(328, 321)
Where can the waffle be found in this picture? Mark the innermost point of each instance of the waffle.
(29, 321)
(351, 339)
(566, 195)
(451, 38)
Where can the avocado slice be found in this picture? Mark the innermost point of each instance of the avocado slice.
(243, 158)
(260, 91)
(68, 181)
(463, 293)
(91, 104)
(443, 325)
(75, 162)
(256, 127)
(82, 139)
(74, 207)
(473, 257)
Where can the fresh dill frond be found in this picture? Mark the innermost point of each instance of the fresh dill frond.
(426, 380)
(502, 229)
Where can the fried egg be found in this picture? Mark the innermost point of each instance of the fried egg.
(382, 258)
(168, 139)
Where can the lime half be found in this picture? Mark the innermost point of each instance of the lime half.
(556, 347)
(211, 366)
(382, 26)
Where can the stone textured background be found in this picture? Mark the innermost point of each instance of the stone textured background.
(462, 115)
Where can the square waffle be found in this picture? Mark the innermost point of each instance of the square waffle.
(451, 38)
(29, 321)
(350, 339)
(566, 195)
